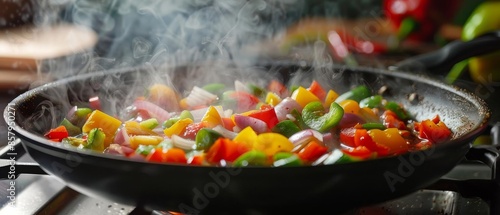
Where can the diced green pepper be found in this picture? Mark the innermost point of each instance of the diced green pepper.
(183, 115)
(371, 102)
(80, 116)
(215, 88)
(298, 119)
(205, 138)
(356, 94)
(315, 117)
(286, 127)
(72, 129)
(397, 109)
(95, 139)
(287, 159)
(373, 125)
(294, 87)
(149, 123)
(251, 158)
(144, 149)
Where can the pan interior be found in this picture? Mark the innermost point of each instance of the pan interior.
(43, 108)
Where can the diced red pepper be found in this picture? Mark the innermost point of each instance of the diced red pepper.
(192, 129)
(317, 90)
(228, 123)
(434, 132)
(312, 151)
(225, 149)
(347, 136)
(245, 101)
(278, 88)
(267, 115)
(391, 120)
(196, 160)
(173, 155)
(361, 152)
(57, 134)
(362, 138)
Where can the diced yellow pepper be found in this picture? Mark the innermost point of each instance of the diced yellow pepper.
(247, 136)
(107, 123)
(212, 117)
(391, 138)
(271, 143)
(137, 140)
(350, 106)
(272, 99)
(330, 97)
(164, 96)
(304, 96)
(135, 128)
(183, 104)
(178, 127)
(368, 114)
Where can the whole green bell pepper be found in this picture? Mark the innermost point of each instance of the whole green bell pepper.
(485, 18)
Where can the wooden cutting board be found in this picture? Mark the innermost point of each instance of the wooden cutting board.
(22, 49)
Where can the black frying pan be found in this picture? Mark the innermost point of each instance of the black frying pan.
(252, 190)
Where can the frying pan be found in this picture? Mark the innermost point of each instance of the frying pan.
(249, 190)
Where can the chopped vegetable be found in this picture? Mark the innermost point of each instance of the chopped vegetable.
(57, 134)
(251, 158)
(253, 126)
(107, 123)
(315, 117)
(205, 138)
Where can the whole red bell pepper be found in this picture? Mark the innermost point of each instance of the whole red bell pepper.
(419, 20)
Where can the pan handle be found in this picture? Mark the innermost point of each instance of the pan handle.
(443, 59)
(10, 169)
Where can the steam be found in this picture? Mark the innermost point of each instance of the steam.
(208, 40)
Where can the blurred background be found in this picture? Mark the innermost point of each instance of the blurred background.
(45, 40)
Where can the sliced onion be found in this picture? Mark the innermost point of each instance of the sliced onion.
(122, 137)
(350, 120)
(240, 87)
(182, 143)
(257, 125)
(199, 96)
(226, 133)
(154, 110)
(301, 138)
(285, 107)
(118, 149)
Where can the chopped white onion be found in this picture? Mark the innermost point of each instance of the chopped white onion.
(257, 125)
(199, 96)
(240, 87)
(226, 133)
(154, 110)
(285, 107)
(182, 143)
(301, 138)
